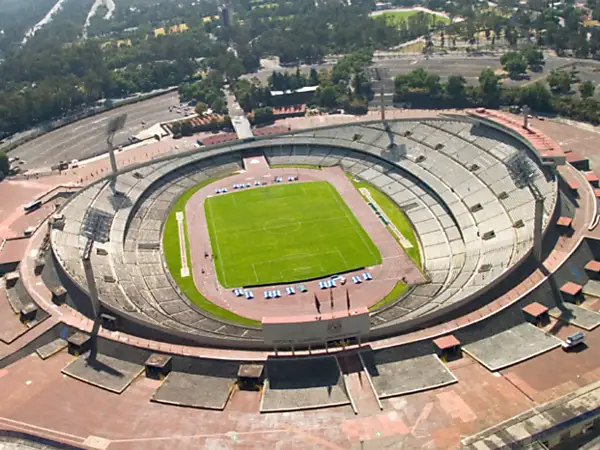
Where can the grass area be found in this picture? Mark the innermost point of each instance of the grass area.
(398, 218)
(415, 47)
(295, 166)
(285, 233)
(173, 259)
(396, 291)
(396, 18)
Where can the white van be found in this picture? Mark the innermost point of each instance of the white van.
(32, 205)
(573, 340)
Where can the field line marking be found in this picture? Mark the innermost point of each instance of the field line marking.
(303, 255)
(255, 274)
(362, 238)
(185, 270)
(343, 257)
(246, 230)
(219, 256)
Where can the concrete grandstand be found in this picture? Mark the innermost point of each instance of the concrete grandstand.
(468, 184)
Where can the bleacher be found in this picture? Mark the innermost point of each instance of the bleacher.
(453, 184)
(459, 191)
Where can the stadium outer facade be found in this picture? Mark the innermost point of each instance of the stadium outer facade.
(112, 218)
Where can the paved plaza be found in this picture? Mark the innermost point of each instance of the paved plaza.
(194, 390)
(511, 346)
(576, 315)
(296, 384)
(393, 376)
(103, 371)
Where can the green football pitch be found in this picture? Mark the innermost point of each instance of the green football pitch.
(285, 233)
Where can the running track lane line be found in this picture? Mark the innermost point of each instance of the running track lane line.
(185, 270)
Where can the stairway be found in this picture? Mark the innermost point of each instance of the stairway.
(358, 384)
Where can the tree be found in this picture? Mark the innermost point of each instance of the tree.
(327, 96)
(262, 115)
(187, 128)
(534, 57)
(176, 129)
(313, 77)
(219, 106)
(200, 108)
(349, 64)
(514, 64)
(489, 87)
(560, 81)
(455, 87)
(537, 97)
(4, 164)
(357, 106)
(587, 89)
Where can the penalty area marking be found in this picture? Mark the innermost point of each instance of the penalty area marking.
(185, 270)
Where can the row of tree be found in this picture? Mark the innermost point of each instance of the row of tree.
(516, 63)
(344, 86)
(205, 93)
(189, 127)
(561, 28)
(426, 90)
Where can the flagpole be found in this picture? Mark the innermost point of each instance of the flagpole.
(331, 300)
(348, 300)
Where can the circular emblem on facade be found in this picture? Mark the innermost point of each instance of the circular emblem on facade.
(334, 327)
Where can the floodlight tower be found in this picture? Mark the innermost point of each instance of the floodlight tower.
(89, 277)
(538, 220)
(524, 174)
(115, 124)
(386, 125)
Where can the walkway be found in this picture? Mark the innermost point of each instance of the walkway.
(240, 122)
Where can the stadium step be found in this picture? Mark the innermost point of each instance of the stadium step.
(358, 384)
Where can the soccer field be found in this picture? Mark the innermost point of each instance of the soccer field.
(285, 233)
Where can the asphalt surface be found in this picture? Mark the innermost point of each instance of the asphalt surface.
(444, 65)
(468, 66)
(86, 138)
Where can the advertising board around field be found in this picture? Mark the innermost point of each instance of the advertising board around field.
(316, 329)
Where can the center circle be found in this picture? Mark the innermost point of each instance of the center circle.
(282, 226)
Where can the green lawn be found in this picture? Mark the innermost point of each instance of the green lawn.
(396, 291)
(396, 18)
(295, 166)
(173, 259)
(395, 214)
(285, 233)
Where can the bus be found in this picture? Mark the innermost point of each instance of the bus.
(32, 206)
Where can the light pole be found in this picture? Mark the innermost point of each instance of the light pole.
(523, 174)
(115, 124)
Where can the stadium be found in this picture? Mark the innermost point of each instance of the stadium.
(304, 222)
(292, 265)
